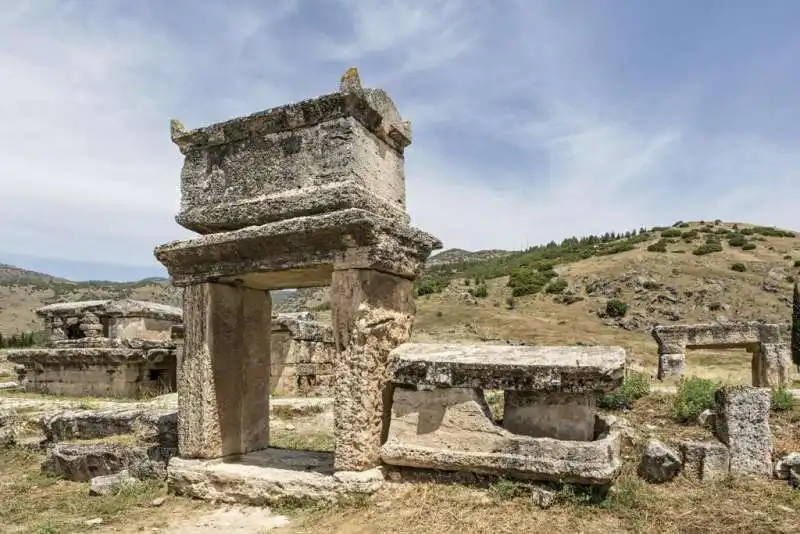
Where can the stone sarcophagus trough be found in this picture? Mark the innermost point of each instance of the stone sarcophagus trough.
(102, 347)
(550, 430)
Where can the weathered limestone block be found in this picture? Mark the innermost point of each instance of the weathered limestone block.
(550, 415)
(774, 366)
(223, 396)
(510, 368)
(334, 152)
(704, 460)
(299, 252)
(82, 462)
(269, 478)
(372, 314)
(111, 484)
(788, 467)
(671, 365)
(742, 423)
(450, 430)
(158, 430)
(88, 424)
(659, 462)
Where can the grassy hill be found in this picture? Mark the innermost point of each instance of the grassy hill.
(557, 293)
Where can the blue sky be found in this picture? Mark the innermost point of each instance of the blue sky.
(533, 120)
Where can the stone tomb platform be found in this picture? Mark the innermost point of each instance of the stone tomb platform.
(269, 477)
(550, 429)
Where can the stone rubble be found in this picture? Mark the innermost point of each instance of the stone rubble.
(659, 462)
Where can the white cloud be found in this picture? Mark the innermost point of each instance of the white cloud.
(523, 133)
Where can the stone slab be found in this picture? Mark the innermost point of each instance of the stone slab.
(269, 477)
(742, 423)
(704, 460)
(450, 430)
(82, 356)
(511, 368)
(300, 252)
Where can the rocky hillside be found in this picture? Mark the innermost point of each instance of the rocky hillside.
(688, 272)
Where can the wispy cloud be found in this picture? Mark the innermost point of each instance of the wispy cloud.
(532, 120)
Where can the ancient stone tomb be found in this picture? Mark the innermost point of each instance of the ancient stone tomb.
(303, 195)
(313, 194)
(768, 343)
(102, 347)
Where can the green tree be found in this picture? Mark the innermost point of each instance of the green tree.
(796, 326)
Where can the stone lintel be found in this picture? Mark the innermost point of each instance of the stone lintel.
(510, 368)
(676, 338)
(550, 415)
(300, 252)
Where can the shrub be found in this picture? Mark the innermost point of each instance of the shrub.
(787, 257)
(737, 240)
(746, 231)
(658, 246)
(616, 308)
(556, 286)
(797, 263)
(651, 285)
(739, 267)
(708, 248)
(466, 281)
(634, 387)
(525, 281)
(510, 303)
(717, 221)
(749, 246)
(429, 286)
(782, 400)
(479, 291)
(688, 235)
(694, 395)
(790, 279)
(671, 232)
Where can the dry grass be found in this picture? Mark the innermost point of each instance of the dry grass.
(31, 502)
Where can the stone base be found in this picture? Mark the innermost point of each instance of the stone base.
(671, 365)
(449, 430)
(268, 478)
(554, 415)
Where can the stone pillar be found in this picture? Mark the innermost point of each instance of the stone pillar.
(671, 365)
(550, 415)
(373, 312)
(742, 423)
(90, 326)
(772, 365)
(223, 395)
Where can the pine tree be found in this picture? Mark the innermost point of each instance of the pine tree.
(796, 325)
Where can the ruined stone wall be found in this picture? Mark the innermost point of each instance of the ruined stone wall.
(302, 357)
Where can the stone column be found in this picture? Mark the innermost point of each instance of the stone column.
(772, 365)
(223, 392)
(373, 312)
(550, 415)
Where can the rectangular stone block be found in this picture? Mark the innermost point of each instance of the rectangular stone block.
(301, 252)
(742, 423)
(704, 460)
(223, 394)
(320, 155)
(550, 415)
(510, 368)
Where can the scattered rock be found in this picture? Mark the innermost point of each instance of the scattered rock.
(158, 501)
(706, 418)
(8, 386)
(542, 496)
(82, 462)
(788, 468)
(88, 424)
(93, 522)
(704, 460)
(110, 484)
(659, 463)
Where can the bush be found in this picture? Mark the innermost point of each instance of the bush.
(715, 306)
(556, 286)
(708, 248)
(429, 286)
(790, 279)
(797, 263)
(746, 231)
(526, 281)
(651, 285)
(480, 291)
(510, 303)
(671, 232)
(694, 395)
(688, 235)
(658, 246)
(782, 400)
(616, 308)
(739, 267)
(749, 246)
(737, 240)
(634, 387)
